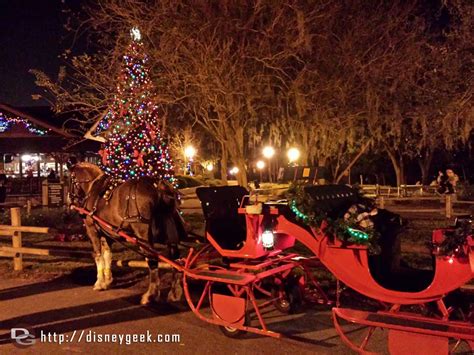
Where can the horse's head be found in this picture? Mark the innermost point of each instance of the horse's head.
(82, 176)
(168, 193)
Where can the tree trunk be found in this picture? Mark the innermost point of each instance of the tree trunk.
(242, 174)
(353, 161)
(223, 164)
(425, 164)
(398, 166)
(235, 146)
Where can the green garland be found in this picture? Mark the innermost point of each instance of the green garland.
(347, 230)
(455, 242)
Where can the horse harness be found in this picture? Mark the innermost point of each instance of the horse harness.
(104, 187)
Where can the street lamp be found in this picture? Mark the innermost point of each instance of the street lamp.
(269, 152)
(260, 165)
(234, 170)
(293, 155)
(210, 167)
(189, 153)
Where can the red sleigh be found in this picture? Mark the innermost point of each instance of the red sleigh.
(246, 253)
(350, 264)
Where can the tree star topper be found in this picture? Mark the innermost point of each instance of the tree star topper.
(135, 33)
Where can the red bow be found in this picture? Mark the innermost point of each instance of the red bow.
(139, 157)
(104, 154)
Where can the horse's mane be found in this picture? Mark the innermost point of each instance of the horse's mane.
(93, 167)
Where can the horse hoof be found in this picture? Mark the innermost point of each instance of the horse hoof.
(145, 301)
(98, 287)
(175, 294)
(107, 284)
(149, 298)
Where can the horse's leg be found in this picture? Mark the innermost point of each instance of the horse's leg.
(107, 257)
(176, 291)
(99, 260)
(143, 232)
(153, 292)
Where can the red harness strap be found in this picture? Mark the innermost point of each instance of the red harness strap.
(133, 240)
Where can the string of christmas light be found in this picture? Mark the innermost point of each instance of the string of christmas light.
(6, 123)
(345, 229)
(134, 145)
(356, 234)
(103, 124)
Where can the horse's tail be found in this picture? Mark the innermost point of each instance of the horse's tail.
(167, 225)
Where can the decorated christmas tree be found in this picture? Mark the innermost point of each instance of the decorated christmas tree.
(134, 145)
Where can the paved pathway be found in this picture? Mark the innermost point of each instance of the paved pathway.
(64, 306)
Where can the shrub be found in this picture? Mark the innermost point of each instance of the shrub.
(58, 219)
(213, 182)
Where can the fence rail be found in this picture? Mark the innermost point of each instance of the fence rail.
(448, 205)
(15, 230)
(16, 250)
(398, 191)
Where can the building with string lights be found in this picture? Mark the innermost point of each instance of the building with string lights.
(33, 147)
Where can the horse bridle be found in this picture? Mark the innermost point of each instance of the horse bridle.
(75, 187)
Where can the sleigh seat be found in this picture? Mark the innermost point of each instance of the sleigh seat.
(386, 268)
(223, 222)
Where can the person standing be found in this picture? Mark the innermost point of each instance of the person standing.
(442, 181)
(452, 180)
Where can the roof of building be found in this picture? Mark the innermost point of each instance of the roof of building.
(41, 116)
(37, 129)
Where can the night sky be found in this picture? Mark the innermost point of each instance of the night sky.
(31, 37)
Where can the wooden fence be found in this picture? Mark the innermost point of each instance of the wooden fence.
(398, 191)
(16, 251)
(449, 205)
(15, 230)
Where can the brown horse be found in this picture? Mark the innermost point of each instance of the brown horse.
(144, 208)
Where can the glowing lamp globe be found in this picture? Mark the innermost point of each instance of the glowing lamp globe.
(268, 239)
(189, 152)
(260, 164)
(293, 154)
(268, 152)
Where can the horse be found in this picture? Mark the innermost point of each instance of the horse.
(144, 208)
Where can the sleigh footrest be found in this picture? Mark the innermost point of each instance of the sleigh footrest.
(224, 276)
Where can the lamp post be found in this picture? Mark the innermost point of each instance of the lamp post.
(268, 153)
(293, 155)
(260, 165)
(189, 153)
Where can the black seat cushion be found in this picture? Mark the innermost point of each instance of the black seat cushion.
(223, 222)
(334, 200)
(387, 267)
